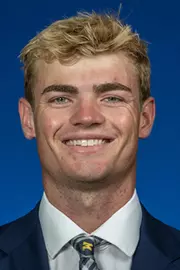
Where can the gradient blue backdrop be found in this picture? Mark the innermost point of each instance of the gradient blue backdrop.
(158, 174)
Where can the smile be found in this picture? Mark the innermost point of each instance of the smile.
(86, 143)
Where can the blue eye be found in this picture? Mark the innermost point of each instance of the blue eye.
(59, 100)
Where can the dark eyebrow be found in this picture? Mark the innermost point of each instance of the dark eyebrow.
(106, 87)
(98, 89)
(60, 88)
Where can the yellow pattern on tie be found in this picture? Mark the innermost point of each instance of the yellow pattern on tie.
(85, 247)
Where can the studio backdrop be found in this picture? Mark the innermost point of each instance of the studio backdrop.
(158, 168)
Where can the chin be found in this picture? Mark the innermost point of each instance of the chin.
(89, 183)
(90, 177)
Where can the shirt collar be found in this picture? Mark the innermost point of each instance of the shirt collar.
(122, 229)
(57, 228)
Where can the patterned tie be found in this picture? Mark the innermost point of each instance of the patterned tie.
(85, 247)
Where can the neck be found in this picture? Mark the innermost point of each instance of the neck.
(89, 209)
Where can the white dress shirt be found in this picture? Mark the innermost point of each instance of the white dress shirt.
(122, 230)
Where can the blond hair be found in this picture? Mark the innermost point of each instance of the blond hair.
(85, 35)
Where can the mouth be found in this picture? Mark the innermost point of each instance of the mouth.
(87, 142)
(87, 145)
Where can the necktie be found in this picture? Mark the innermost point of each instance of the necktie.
(85, 247)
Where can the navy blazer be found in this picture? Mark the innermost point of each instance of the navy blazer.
(22, 245)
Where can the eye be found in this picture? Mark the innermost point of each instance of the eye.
(113, 99)
(59, 100)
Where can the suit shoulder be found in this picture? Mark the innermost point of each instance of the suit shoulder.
(160, 225)
(169, 229)
(4, 227)
(19, 223)
(161, 233)
(13, 223)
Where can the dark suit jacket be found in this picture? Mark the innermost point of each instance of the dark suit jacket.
(22, 245)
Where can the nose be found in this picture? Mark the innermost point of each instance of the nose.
(87, 114)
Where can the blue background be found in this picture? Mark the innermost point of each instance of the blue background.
(158, 174)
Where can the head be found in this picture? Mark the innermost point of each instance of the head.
(87, 82)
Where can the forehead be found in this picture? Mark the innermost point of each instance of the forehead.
(87, 72)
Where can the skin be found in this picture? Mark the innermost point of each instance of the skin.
(81, 181)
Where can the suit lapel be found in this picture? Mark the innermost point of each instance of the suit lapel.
(32, 253)
(158, 248)
(26, 249)
(148, 257)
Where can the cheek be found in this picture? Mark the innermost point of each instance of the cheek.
(124, 118)
(48, 122)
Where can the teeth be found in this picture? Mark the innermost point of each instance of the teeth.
(85, 142)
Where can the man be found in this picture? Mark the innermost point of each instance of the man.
(87, 102)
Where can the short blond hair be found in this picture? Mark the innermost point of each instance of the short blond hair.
(85, 35)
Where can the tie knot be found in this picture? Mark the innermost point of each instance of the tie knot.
(85, 245)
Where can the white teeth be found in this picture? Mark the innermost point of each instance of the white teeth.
(90, 142)
(84, 143)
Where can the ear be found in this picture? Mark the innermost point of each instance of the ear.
(147, 118)
(27, 119)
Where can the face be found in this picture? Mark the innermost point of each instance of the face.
(87, 119)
